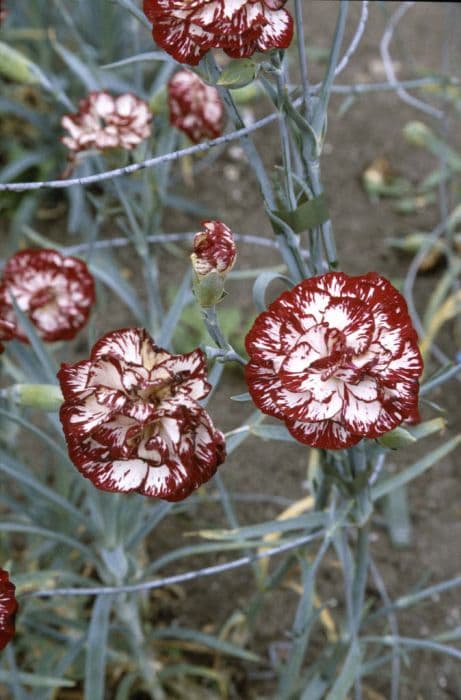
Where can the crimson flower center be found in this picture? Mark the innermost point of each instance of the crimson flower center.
(322, 354)
(43, 297)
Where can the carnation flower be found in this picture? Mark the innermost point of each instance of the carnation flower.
(214, 249)
(8, 608)
(187, 29)
(132, 418)
(336, 358)
(195, 107)
(54, 291)
(104, 122)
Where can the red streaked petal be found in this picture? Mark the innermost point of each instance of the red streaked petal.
(326, 435)
(74, 379)
(278, 32)
(82, 418)
(8, 608)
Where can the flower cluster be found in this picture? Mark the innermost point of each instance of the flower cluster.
(104, 121)
(336, 358)
(187, 29)
(8, 608)
(195, 107)
(132, 418)
(54, 291)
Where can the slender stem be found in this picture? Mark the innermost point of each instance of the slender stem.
(128, 612)
(302, 56)
(320, 111)
(179, 578)
(393, 626)
(285, 143)
(250, 149)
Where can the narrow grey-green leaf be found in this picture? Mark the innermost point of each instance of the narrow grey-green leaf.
(207, 640)
(272, 432)
(95, 663)
(35, 680)
(261, 284)
(108, 273)
(348, 674)
(16, 471)
(416, 469)
(183, 297)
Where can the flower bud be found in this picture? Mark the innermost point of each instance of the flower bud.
(43, 397)
(213, 258)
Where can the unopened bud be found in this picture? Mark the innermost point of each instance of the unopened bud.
(213, 258)
(44, 397)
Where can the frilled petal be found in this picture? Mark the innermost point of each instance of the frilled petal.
(326, 435)
(130, 345)
(187, 30)
(191, 371)
(185, 42)
(278, 32)
(74, 379)
(80, 419)
(8, 609)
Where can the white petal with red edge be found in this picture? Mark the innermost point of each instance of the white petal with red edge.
(360, 416)
(408, 365)
(106, 373)
(74, 378)
(123, 345)
(124, 476)
(324, 434)
(365, 390)
(86, 416)
(278, 31)
(114, 433)
(321, 410)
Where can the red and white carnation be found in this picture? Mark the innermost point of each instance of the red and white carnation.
(187, 29)
(8, 608)
(54, 291)
(132, 418)
(214, 249)
(104, 121)
(195, 107)
(337, 359)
